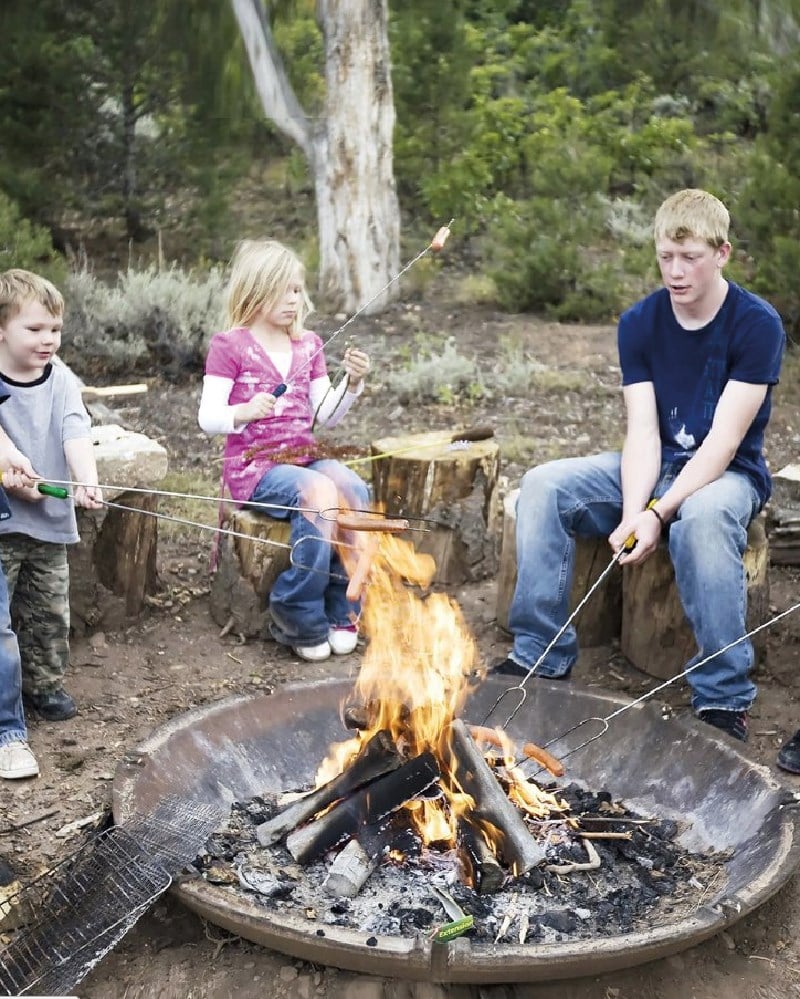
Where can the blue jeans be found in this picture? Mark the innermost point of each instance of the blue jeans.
(582, 497)
(310, 596)
(12, 718)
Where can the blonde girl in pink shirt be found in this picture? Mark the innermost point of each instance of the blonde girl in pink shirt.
(268, 346)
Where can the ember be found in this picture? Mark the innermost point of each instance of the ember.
(437, 818)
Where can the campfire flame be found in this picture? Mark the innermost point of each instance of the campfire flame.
(416, 674)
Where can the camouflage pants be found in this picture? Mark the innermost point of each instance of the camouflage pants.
(38, 589)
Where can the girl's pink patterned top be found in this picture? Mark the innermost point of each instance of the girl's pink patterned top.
(237, 355)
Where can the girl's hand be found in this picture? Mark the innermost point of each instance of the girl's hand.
(356, 364)
(260, 406)
(89, 497)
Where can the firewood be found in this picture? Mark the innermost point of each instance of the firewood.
(483, 871)
(367, 806)
(349, 871)
(519, 848)
(378, 758)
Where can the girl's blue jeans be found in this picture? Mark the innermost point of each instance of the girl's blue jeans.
(12, 718)
(310, 597)
(582, 497)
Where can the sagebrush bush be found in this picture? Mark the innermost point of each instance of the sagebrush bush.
(437, 373)
(151, 322)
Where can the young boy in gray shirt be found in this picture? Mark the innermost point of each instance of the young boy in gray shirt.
(46, 419)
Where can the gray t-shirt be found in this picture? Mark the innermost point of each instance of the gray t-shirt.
(38, 418)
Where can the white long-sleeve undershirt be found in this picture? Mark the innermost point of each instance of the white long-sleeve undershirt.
(216, 415)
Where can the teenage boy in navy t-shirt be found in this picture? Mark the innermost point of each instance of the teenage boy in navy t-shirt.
(699, 359)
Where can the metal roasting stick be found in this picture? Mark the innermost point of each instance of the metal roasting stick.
(644, 697)
(280, 389)
(520, 687)
(630, 544)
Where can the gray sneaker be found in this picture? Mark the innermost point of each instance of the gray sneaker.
(17, 760)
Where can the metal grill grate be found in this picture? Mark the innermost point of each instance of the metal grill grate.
(74, 914)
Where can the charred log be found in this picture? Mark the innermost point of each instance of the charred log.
(378, 758)
(519, 848)
(367, 806)
(483, 871)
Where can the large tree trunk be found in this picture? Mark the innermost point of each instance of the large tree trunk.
(349, 149)
(357, 210)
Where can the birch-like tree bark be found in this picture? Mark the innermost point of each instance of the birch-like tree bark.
(349, 148)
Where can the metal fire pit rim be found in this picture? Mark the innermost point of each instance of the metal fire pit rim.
(463, 961)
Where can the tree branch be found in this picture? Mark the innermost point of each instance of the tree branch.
(278, 100)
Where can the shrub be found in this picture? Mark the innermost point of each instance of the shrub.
(23, 244)
(152, 322)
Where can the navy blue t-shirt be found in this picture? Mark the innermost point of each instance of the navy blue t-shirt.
(689, 369)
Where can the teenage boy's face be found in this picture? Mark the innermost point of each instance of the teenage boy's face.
(28, 342)
(690, 269)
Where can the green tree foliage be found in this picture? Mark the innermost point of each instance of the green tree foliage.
(25, 244)
(768, 211)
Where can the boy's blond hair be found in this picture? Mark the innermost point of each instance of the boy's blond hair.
(692, 214)
(261, 271)
(18, 287)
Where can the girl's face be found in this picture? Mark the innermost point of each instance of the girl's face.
(283, 311)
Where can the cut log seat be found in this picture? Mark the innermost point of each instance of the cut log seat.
(246, 571)
(113, 566)
(454, 486)
(600, 620)
(656, 636)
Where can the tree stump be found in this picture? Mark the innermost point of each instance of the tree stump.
(599, 622)
(454, 487)
(113, 566)
(247, 568)
(656, 636)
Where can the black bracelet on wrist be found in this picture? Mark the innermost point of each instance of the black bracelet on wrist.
(661, 520)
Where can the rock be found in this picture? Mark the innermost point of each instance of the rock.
(126, 459)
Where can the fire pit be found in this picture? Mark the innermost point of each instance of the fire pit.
(671, 769)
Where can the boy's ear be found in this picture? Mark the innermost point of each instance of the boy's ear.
(723, 255)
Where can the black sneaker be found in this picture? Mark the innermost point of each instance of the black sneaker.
(732, 722)
(789, 755)
(52, 705)
(509, 667)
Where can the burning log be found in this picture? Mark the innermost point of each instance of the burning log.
(378, 758)
(367, 806)
(484, 872)
(519, 848)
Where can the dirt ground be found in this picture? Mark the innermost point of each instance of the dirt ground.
(132, 681)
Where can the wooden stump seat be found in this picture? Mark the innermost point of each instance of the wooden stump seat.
(639, 605)
(247, 568)
(655, 635)
(113, 566)
(600, 620)
(454, 486)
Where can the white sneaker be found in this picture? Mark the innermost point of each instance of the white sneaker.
(313, 653)
(343, 641)
(17, 760)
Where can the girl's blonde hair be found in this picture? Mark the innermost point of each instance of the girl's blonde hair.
(17, 287)
(693, 214)
(261, 271)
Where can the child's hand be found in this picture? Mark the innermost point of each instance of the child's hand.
(356, 364)
(89, 497)
(28, 493)
(261, 405)
(17, 471)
